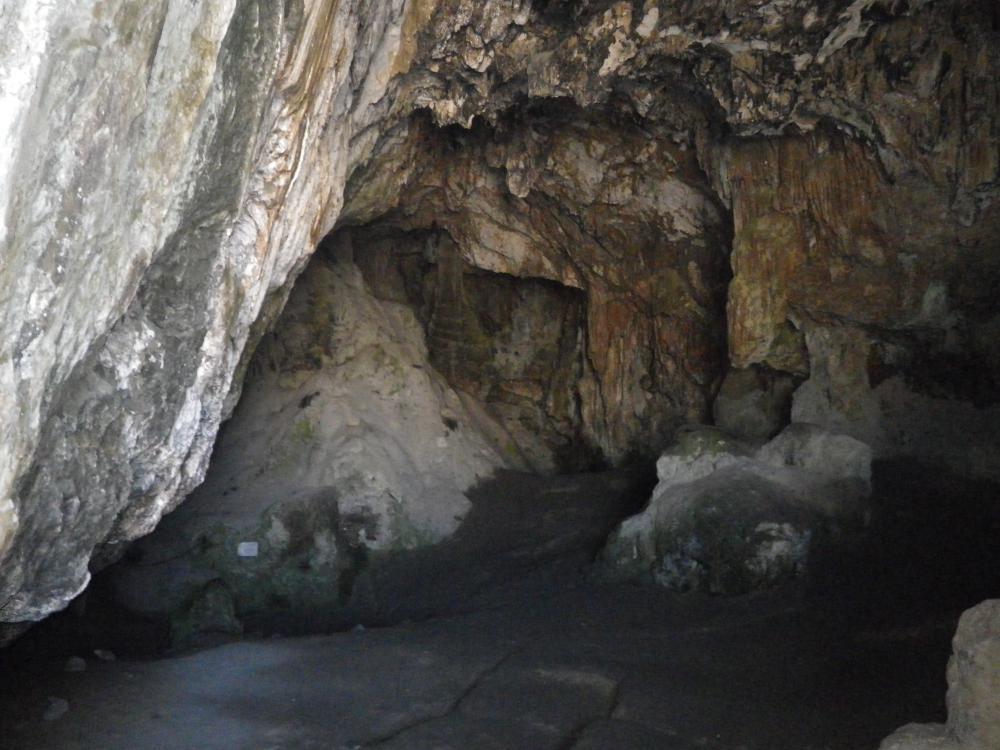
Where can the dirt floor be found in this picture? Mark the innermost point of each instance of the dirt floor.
(501, 639)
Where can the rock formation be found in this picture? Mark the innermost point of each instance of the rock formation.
(727, 520)
(973, 690)
(347, 443)
(810, 188)
(167, 173)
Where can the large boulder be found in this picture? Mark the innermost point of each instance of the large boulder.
(726, 520)
(973, 690)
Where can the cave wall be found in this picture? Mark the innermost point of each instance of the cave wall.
(621, 214)
(514, 345)
(157, 203)
(172, 165)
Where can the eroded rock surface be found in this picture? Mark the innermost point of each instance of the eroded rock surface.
(754, 404)
(156, 205)
(620, 214)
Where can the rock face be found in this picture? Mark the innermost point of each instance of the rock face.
(882, 317)
(346, 443)
(727, 521)
(623, 218)
(973, 690)
(155, 206)
(169, 166)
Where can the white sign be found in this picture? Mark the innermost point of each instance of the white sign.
(247, 549)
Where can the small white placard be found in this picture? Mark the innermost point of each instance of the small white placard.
(247, 549)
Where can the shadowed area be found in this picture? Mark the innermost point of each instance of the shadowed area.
(509, 643)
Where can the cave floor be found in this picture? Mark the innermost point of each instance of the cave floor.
(545, 659)
(587, 667)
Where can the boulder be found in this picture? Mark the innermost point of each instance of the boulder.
(973, 690)
(820, 452)
(725, 520)
(754, 404)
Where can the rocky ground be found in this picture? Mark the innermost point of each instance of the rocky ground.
(517, 647)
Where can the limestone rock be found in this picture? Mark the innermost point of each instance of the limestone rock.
(155, 206)
(901, 404)
(346, 444)
(726, 521)
(75, 664)
(973, 690)
(829, 284)
(820, 452)
(168, 166)
(211, 612)
(974, 677)
(620, 217)
(921, 737)
(753, 405)
(57, 708)
(513, 344)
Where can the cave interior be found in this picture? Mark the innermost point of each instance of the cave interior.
(588, 423)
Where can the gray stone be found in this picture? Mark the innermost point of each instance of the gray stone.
(973, 690)
(724, 522)
(817, 450)
(753, 405)
(893, 416)
(211, 612)
(75, 664)
(921, 737)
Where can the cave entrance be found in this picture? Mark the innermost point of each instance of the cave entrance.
(517, 316)
(409, 436)
(436, 447)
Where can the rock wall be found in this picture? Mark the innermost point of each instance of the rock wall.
(346, 444)
(624, 216)
(171, 165)
(512, 344)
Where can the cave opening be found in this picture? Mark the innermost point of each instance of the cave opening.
(458, 413)
(592, 416)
